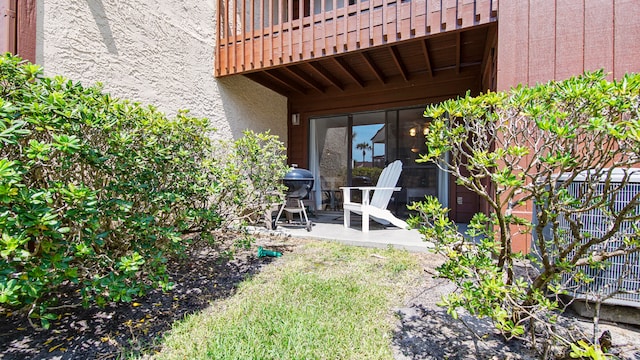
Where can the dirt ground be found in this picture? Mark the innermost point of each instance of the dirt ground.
(424, 330)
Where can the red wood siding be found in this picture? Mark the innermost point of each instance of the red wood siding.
(541, 40)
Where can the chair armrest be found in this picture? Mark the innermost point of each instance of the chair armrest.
(346, 192)
(369, 188)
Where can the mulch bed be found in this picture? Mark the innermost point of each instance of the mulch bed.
(205, 275)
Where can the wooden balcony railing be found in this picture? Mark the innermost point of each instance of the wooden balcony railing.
(258, 34)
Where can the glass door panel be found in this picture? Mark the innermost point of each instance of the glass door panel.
(418, 179)
(368, 148)
(329, 159)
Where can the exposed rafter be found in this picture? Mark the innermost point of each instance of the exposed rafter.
(293, 71)
(263, 80)
(425, 52)
(289, 84)
(326, 75)
(348, 70)
(373, 67)
(491, 36)
(395, 54)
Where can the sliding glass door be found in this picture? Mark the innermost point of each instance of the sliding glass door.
(352, 150)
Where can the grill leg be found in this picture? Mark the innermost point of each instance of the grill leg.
(279, 214)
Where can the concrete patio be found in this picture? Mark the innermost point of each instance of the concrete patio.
(328, 225)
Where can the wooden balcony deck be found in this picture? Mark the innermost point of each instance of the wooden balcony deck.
(255, 35)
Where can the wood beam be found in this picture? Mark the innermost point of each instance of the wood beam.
(373, 67)
(348, 70)
(397, 59)
(458, 69)
(287, 84)
(256, 77)
(425, 52)
(458, 51)
(291, 70)
(326, 75)
(491, 36)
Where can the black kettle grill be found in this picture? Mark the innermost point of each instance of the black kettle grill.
(299, 183)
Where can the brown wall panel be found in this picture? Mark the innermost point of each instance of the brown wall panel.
(513, 43)
(627, 37)
(562, 38)
(569, 42)
(542, 36)
(598, 35)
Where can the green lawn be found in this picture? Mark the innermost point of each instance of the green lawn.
(322, 301)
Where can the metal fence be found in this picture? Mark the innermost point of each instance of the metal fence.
(619, 282)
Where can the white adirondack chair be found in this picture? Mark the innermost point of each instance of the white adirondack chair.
(377, 207)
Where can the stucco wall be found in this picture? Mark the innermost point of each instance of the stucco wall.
(155, 52)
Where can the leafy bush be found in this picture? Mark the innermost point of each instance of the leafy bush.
(509, 148)
(247, 174)
(97, 191)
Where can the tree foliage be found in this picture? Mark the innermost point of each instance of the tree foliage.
(532, 145)
(95, 191)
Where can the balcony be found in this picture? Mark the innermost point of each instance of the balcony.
(254, 36)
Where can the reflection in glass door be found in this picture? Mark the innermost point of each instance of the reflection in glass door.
(368, 149)
(346, 150)
(329, 159)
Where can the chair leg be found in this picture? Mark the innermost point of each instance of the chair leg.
(365, 219)
(347, 218)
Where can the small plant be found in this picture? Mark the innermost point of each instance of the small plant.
(512, 149)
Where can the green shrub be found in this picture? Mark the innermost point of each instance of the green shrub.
(247, 174)
(95, 192)
(509, 148)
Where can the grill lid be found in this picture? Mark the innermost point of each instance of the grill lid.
(298, 174)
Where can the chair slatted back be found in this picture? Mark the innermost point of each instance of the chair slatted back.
(388, 178)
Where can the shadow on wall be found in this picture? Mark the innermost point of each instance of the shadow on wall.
(100, 16)
(249, 105)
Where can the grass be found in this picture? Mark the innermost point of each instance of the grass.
(323, 301)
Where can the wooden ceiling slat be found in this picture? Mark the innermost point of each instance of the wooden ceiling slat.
(458, 50)
(490, 39)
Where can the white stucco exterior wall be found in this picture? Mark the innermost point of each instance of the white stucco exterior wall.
(158, 52)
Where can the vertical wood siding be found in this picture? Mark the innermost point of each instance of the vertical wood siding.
(541, 40)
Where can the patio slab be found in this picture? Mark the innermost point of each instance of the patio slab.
(329, 226)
